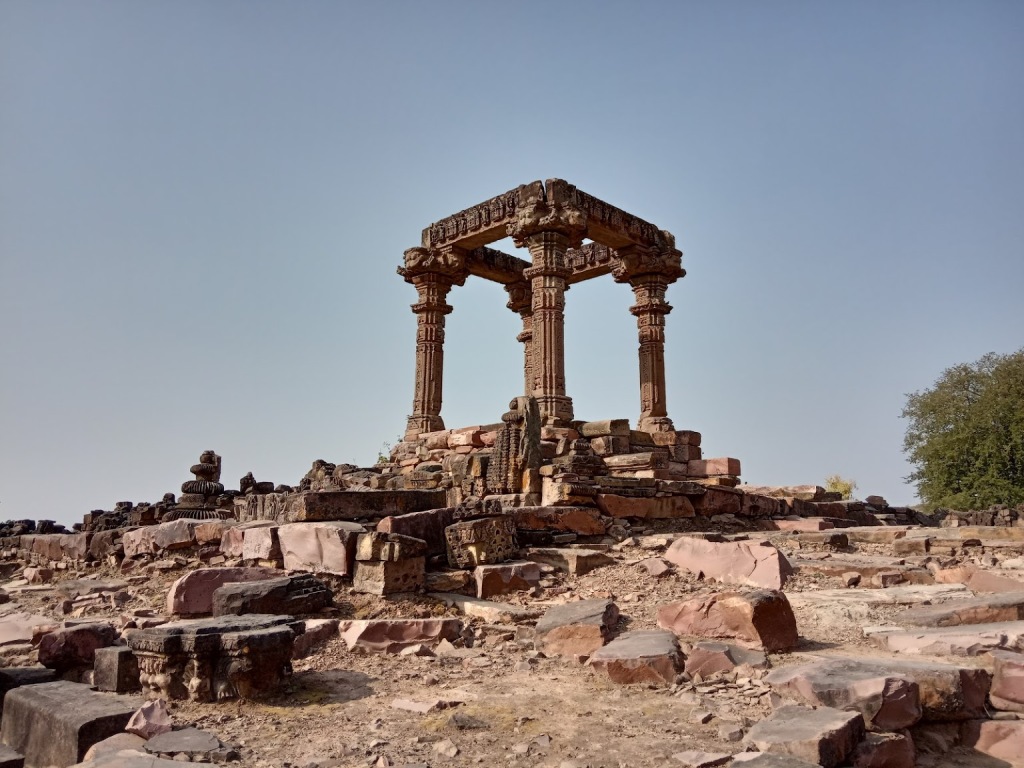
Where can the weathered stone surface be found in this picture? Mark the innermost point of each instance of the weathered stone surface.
(114, 744)
(503, 578)
(481, 542)
(643, 656)
(151, 719)
(291, 595)
(327, 547)
(386, 577)
(571, 560)
(1007, 691)
(73, 588)
(757, 564)
(427, 525)
(616, 427)
(490, 611)
(718, 500)
(762, 618)
(1007, 606)
(770, 760)
(14, 677)
(388, 547)
(694, 759)
(910, 594)
(823, 736)
(192, 594)
(321, 506)
(56, 723)
(214, 659)
(191, 741)
(116, 669)
(318, 632)
(17, 627)
(10, 758)
(151, 539)
(986, 581)
(128, 758)
(1002, 739)
(969, 640)
(710, 467)
(884, 750)
(261, 543)
(392, 635)
(653, 508)
(75, 646)
(232, 541)
(584, 521)
(576, 629)
(708, 657)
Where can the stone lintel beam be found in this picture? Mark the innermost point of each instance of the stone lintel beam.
(589, 260)
(478, 225)
(495, 265)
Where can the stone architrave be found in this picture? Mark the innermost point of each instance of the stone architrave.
(432, 272)
(649, 271)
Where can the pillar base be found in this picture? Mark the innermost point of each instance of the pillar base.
(417, 425)
(655, 424)
(555, 410)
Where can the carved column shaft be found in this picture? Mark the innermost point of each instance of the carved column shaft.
(430, 311)
(520, 301)
(548, 282)
(650, 310)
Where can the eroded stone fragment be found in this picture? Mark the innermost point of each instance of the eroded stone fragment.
(643, 656)
(822, 736)
(192, 594)
(755, 563)
(761, 618)
(576, 629)
(1008, 606)
(1002, 739)
(75, 646)
(1007, 681)
(481, 542)
(292, 595)
(708, 657)
(502, 578)
(884, 750)
(392, 635)
(327, 547)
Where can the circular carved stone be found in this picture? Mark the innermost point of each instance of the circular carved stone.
(202, 487)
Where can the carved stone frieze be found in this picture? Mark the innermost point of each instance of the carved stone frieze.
(633, 261)
(550, 209)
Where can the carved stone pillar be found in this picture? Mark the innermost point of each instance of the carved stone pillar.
(432, 272)
(520, 301)
(649, 271)
(548, 222)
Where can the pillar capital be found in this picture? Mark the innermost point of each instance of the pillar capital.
(446, 262)
(536, 213)
(640, 260)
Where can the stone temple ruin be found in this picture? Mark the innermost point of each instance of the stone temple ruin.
(539, 542)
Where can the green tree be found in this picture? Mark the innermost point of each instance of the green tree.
(965, 435)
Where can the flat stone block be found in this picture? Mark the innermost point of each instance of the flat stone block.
(502, 578)
(393, 635)
(327, 547)
(969, 640)
(643, 656)
(822, 736)
(192, 594)
(1007, 606)
(387, 577)
(755, 563)
(56, 723)
(576, 629)
(760, 618)
(116, 669)
(571, 560)
(15, 677)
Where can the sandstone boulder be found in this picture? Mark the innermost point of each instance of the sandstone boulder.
(576, 629)
(761, 618)
(75, 646)
(754, 563)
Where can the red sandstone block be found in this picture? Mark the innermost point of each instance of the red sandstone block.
(719, 466)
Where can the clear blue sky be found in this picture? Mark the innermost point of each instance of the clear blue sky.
(202, 205)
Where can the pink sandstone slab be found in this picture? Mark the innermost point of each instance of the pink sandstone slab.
(192, 594)
(822, 736)
(232, 541)
(1007, 681)
(708, 657)
(754, 563)
(502, 578)
(17, 627)
(327, 547)
(969, 640)
(393, 635)
(576, 629)
(1006, 606)
(761, 618)
(1001, 739)
(802, 524)
(986, 581)
(643, 656)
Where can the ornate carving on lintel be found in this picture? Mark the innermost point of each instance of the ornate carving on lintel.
(448, 262)
(636, 260)
(547, 209)
(478, 225)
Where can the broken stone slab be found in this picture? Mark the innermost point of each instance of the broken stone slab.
(388, 577)
(16, 628)
(232, 541)
(884, 750)
(393, 635)
(491, 611)
(15, 677)
(73, 588)
(694, 759)
(322, 547)
(1007, 691)
(151, 719)
(576, 629)
(128, 758)
(801, 524)
(500, 579)
(1008, 606)
(1001, 739)
(190, 741)
(192, 594)
(986, 581)
(875, 570)
(114, 744)
(656, 567)
(317, 633)
(969, 640)
(56, 723)
(585, 521)
(72, 647)
(757, 564)
(891, 694)
(642, 656)
(822, 736)
(389, 547)
(573, 561)
(761, 618)
(875, 534)
(116, 669)
(427, 525)
(215, 659)
(708, 657)
(287, 595)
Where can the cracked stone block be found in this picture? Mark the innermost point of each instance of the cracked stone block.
(823, 736)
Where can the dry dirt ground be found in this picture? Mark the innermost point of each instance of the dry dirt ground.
(516, 707)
